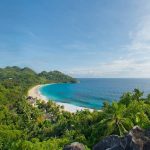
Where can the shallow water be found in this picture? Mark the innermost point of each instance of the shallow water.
(91, 93)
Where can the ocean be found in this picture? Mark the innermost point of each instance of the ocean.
(92, 92)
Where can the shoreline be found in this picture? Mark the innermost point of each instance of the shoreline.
(35, 93)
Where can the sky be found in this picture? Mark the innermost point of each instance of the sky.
(83, 38)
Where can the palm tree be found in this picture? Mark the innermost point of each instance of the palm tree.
(115, 120)
(137, 94)
(138, 112)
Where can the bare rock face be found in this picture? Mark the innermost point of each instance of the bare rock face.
(74, 146)
(136, 139)
(110, 141)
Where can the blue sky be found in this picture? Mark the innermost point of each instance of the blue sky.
(83, 38)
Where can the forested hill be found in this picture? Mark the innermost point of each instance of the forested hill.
(48, 127)
(26, 77)
(56, 76)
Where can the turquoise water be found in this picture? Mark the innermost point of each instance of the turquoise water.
(91, 93)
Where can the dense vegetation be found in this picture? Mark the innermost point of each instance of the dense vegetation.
(48, 127)
(57, 76)
(25, 78)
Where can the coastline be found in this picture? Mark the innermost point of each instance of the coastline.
(35, 93)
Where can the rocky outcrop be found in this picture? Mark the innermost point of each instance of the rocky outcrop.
(74, 146)
(136, 139)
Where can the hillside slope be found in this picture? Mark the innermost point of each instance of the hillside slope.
(26, 77)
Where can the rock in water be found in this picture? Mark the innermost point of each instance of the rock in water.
(74, 146)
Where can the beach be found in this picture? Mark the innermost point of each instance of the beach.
(35, 93)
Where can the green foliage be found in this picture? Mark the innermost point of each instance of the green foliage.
(25, 78)
(56, 76)
(7, 136)
(48, 126)
(51, 144)
(115, 119)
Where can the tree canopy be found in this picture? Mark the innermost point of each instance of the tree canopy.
(48, 126)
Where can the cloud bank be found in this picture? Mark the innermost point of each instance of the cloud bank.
(135, 62)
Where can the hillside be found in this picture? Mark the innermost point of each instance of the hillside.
(48, 127)
(56, 76)
(26, 77)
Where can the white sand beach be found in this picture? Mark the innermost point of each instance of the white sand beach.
(35, 93)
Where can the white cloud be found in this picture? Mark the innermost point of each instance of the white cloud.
(134, 63)
(117, 68)
(135, 59)
(140, 38)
